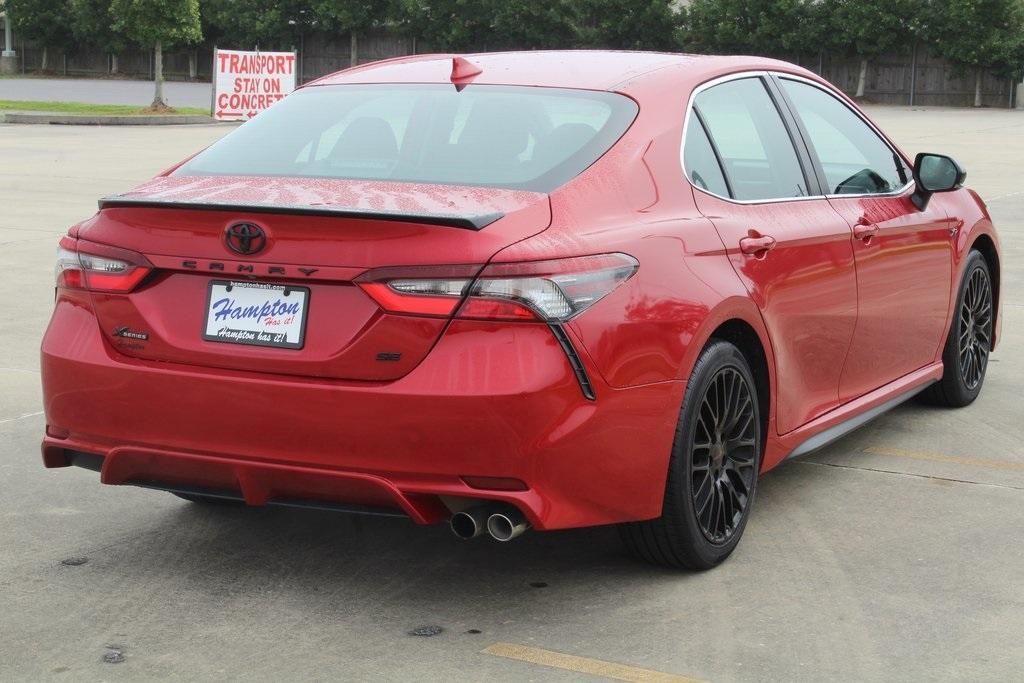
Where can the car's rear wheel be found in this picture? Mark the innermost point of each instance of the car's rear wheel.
(965, 356)
(713, 470)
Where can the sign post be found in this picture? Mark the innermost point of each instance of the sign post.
(246, 83)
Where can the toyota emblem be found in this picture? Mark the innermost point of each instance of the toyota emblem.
(245, 238)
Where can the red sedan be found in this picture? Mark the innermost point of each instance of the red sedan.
(520, 290)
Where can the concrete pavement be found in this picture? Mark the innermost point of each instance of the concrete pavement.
(897, 553)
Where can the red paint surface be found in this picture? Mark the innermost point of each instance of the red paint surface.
(476, 399)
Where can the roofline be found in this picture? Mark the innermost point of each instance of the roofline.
(370, 66)
(610, 87)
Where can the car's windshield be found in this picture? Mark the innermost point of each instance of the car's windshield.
(500, 136)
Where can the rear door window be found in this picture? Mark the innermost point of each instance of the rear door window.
(752, 140)
(854, 158)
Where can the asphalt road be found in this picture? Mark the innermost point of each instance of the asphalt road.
(897, 553)
(103, 91)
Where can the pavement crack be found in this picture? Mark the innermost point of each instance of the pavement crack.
(910, 474)
(24, 241)
(20, 417)
(1004, 196)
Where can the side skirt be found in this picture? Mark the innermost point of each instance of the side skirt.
(848, 417)
(836, 432)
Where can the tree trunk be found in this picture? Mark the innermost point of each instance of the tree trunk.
(978, 76)
(113, 63)
(193, 58)
(353, 50)
(158, 76)
(42, 67)
(862, 80)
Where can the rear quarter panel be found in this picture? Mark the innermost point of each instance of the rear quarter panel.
(635, 200)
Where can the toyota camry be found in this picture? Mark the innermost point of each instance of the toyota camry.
(527, 290)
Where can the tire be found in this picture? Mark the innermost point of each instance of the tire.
(965, 355)
(707, 477)
(207, 500)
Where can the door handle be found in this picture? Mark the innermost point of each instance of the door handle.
(757, 246)
(865, 229)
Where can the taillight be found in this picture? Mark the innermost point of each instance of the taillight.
(419, 290)
(547, 291)
(98, 267)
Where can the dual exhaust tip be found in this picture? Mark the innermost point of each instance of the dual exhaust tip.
(503, 523)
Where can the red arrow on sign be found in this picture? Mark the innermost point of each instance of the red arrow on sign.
(252, 114)
(221, 112)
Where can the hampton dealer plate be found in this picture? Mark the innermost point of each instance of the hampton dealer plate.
(256, 313)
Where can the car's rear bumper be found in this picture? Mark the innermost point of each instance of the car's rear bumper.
(490, 400)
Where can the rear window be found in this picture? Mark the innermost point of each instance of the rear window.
(497, 136)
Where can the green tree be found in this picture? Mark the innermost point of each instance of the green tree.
(234, 24)
(763, 27)
(628, 24)
(266, 24)
(456, 25)
(980, 35)
(870, 28)
(47, 22)
(532, 25)
(155, 24)
(463, 25)
(92, 25)
(338, 17)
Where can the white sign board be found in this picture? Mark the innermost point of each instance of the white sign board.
(246, 83)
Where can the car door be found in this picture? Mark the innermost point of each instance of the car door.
(788, 246)
(903, 255)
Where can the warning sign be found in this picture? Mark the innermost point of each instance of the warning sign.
(246, 83)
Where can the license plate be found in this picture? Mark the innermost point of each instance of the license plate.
(256, 313)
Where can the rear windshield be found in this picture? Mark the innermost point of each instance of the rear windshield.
(498, 136)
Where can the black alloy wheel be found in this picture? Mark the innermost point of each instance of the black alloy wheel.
(974, 337)
(969, 343)
(712, 471)
(722, 471)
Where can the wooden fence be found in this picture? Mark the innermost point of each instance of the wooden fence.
(916, 77)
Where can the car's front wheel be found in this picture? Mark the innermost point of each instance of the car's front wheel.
(713, 470)
(965, 356)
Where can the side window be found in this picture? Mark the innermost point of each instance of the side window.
(700, 161)
(756, 150)
(854, 158)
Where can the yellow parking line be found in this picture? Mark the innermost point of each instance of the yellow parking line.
(585, 665)
(939, 457)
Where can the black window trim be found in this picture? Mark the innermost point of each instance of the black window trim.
(810, 165)
(815, 159)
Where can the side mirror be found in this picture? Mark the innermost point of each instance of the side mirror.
(935, 173)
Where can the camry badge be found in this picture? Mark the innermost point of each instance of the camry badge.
(245, 238)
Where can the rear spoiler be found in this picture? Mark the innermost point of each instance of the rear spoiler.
(465, 221)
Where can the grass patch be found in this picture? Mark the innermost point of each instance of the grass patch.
(93, 109)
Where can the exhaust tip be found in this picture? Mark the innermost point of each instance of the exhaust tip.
(468, 524)
(504, 526)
